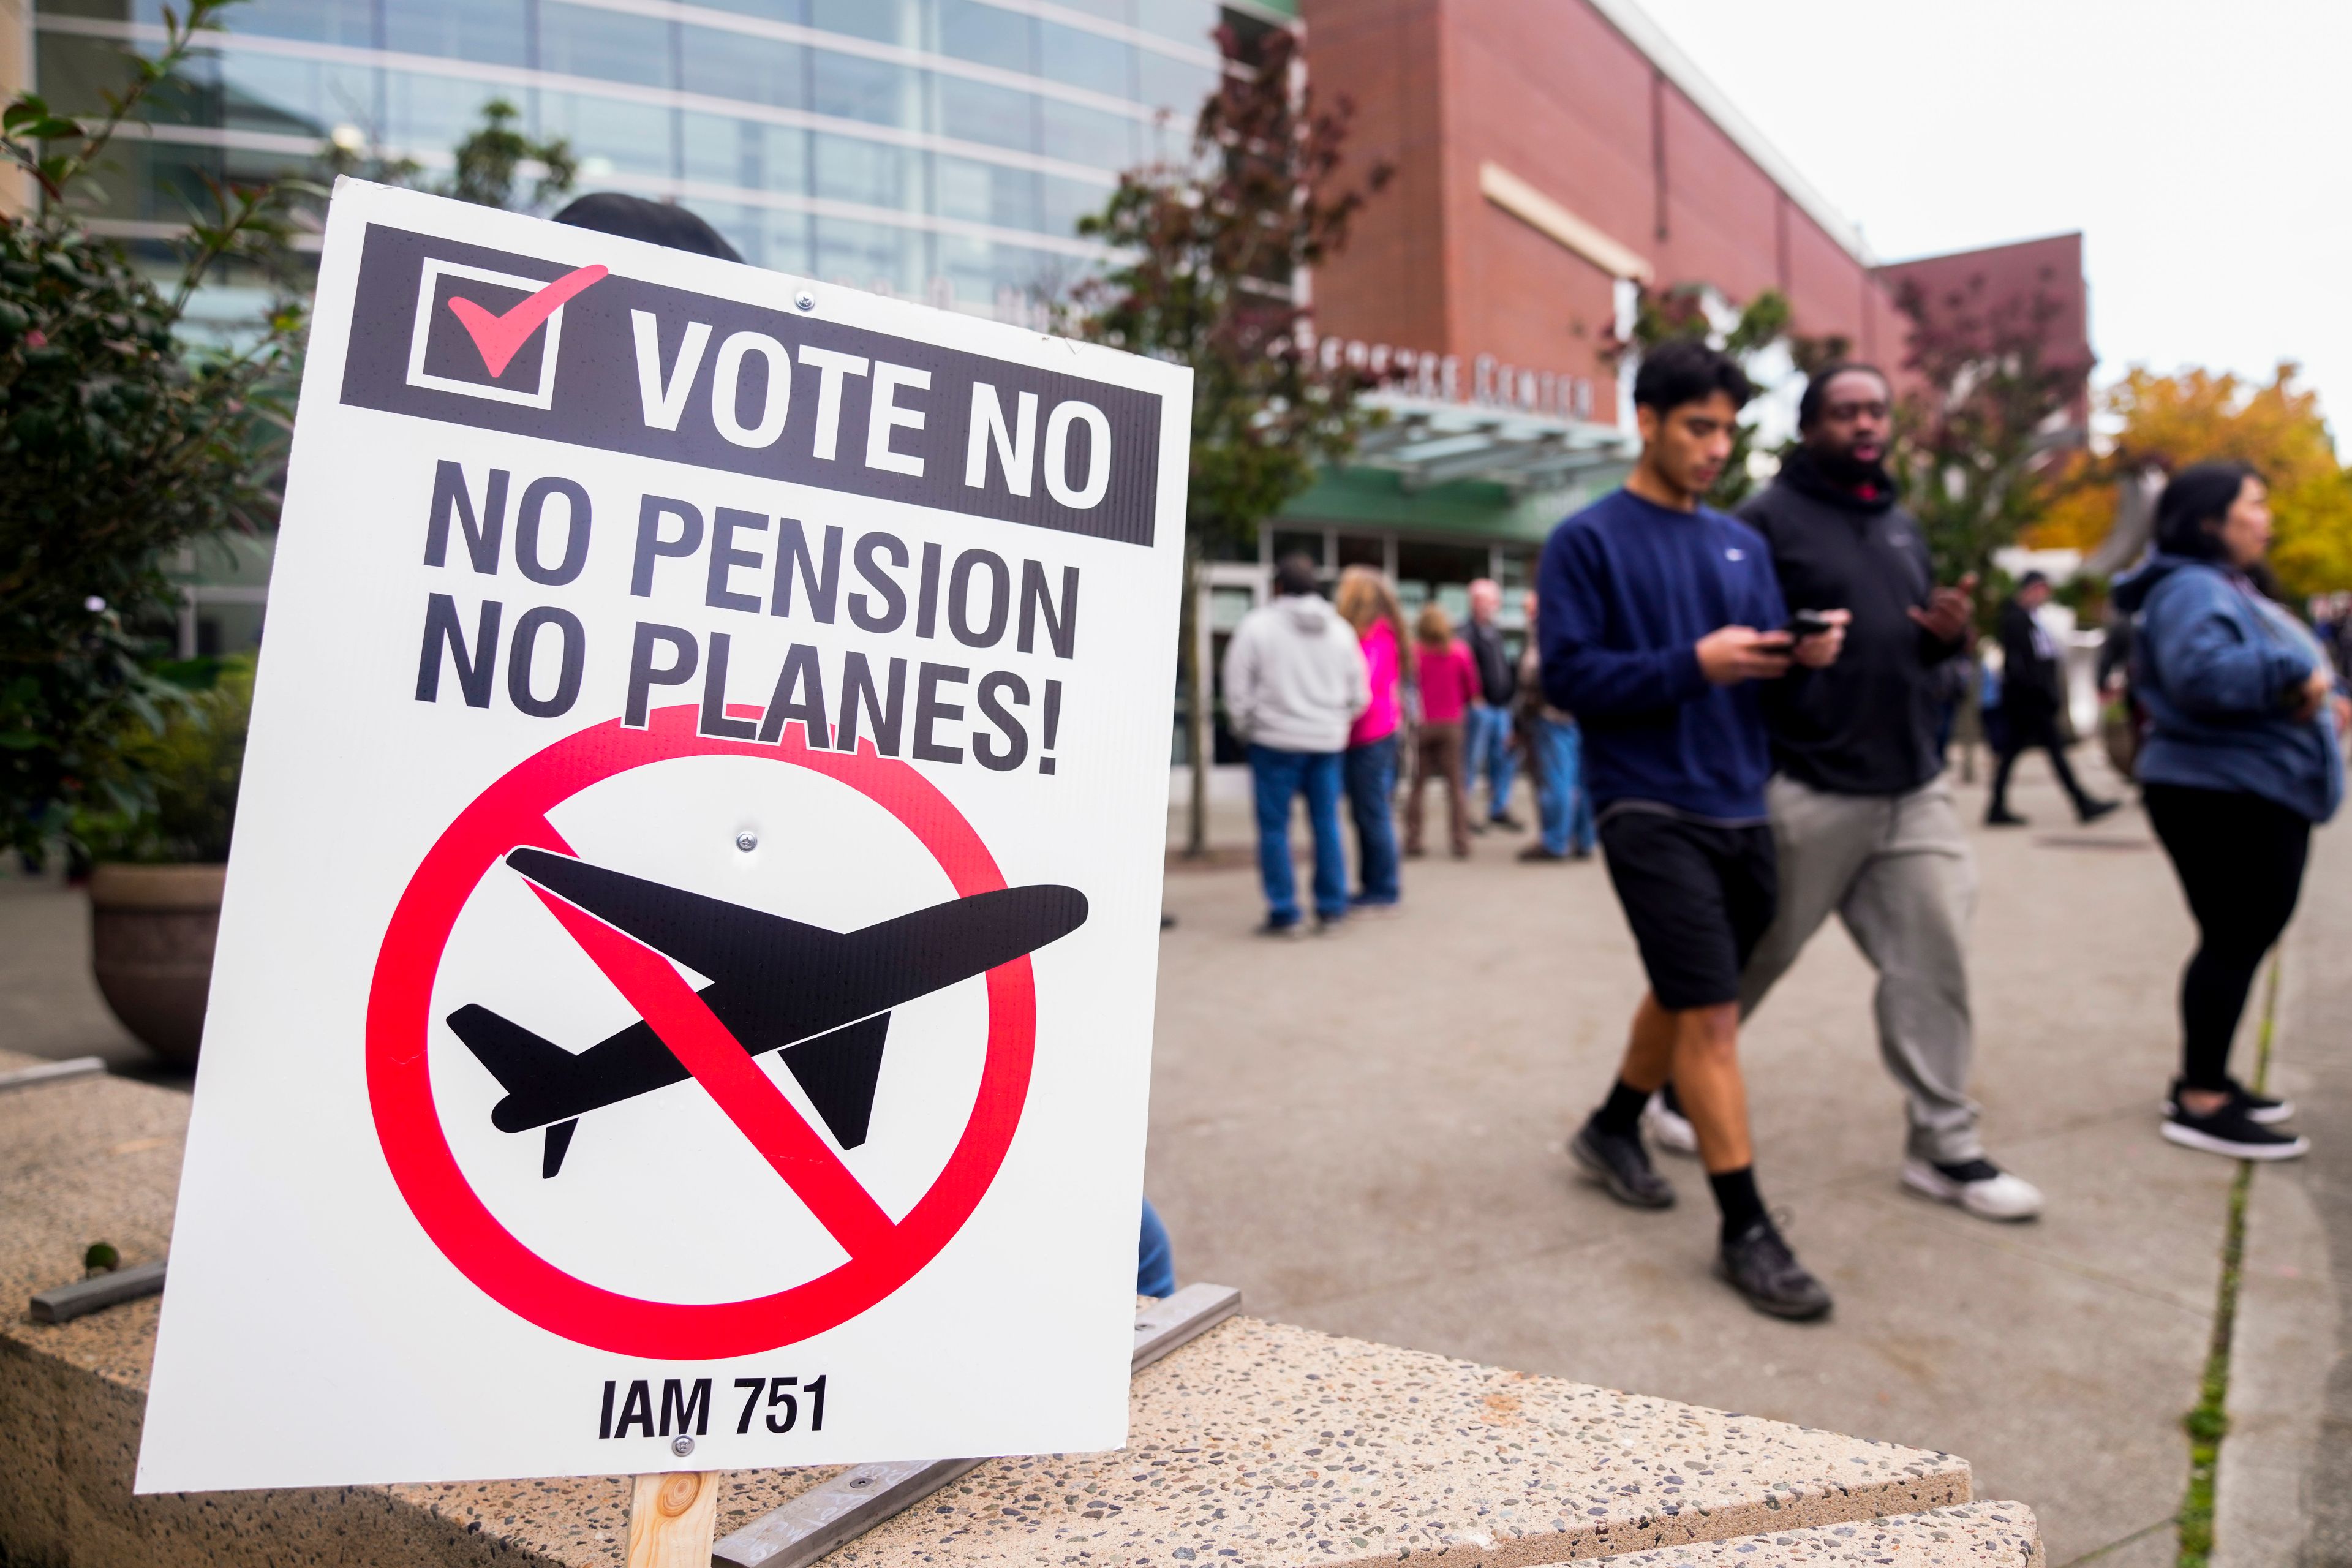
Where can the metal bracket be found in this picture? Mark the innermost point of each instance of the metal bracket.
(67, 1302)
(863, 1496)
(51, 1072)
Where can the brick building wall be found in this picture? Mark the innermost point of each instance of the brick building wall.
(1559, 95)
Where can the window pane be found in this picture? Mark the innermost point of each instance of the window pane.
(1067, 201)
(1086, 59)
(884, 21)
(265, 93)
(1190, 22)
(350, 22)
(1177, 86)
(1087, 135)
(609, 136)
(431, 113)
(998, 116)
(730, 65)
(793, 11)
(986, 36)
(869, 255)
(858, 88)
(784, 243)
(489, 32)
(986, 193)
(723, 151)
(604, 44)
(851, 170)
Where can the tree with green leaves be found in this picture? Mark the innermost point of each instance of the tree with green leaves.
(1208, 252)
(118, 445)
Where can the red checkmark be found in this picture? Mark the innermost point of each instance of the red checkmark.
(500, 338)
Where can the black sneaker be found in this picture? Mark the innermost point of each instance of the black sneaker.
(1759, 1265)
(1621, 1165)
(2231, 1131)
(1506, 820)
(2003, 818)
(1287, 930)
(2260, 1109)
(2091, 811)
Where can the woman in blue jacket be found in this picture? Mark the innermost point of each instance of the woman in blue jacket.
(2243, 756)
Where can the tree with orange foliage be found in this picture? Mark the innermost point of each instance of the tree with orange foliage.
(2171, 421)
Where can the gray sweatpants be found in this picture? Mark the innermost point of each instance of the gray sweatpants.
(1898, 872)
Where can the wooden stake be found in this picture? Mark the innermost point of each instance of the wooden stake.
(672, 1519)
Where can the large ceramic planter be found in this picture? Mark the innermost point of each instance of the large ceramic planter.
(151, 941)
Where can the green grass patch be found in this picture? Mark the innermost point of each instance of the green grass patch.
(2208, 1423)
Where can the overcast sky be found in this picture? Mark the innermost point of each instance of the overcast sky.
(2204, 150)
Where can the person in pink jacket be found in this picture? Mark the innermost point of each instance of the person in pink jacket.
(1449, 684)
(1369, 604)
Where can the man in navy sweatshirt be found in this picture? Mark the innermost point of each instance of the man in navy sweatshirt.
(1658, 616)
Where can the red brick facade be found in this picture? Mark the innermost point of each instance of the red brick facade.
(1553, 92)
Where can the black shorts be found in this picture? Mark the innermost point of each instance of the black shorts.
(1698, 897)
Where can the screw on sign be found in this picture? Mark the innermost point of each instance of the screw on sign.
(821, 999)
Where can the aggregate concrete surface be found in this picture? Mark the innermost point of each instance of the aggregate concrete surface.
(1363, 1132)
(1259, 1442)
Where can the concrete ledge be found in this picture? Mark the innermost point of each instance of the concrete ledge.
(1258, 1444)
(1973, 1535)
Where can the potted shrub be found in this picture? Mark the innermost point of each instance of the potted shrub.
(156, 871)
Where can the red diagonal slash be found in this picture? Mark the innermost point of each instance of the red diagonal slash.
(748, 1096)
(500, 338)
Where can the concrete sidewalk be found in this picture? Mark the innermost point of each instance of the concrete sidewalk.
(1363, 1132)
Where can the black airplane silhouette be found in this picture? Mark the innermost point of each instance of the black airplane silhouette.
(823, 998)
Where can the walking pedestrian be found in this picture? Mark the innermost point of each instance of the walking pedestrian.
(1368, 604)
(1659, 617)
(2033, 696)
(1487, 728)
(1553, 746)
(1295, 681)
(2243, 755)
(1862, 820)
(1448, 682)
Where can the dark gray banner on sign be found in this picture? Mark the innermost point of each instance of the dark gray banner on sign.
(466, 334)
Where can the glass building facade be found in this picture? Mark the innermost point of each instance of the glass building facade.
(941, 150)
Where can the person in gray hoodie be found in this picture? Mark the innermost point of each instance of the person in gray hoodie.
(1294, 682)
(2243, 755)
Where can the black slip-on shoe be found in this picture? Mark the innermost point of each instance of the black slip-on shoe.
(2003, 819)
(1621, 1166)
(2231, 1132)
(1759, 1265)
(2096, 809)
(2261, 1110)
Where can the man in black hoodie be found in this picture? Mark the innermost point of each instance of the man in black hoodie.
(2032, 695)
(1862, 820)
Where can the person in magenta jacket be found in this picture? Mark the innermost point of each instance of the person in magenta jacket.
(1448, 684)
(1369, 604)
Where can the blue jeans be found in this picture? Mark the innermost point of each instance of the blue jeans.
(1280, 775)
(1566, 809)
(1486, 755)
(1372, 770)
(1155, 1261)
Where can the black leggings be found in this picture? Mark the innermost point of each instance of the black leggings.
(2240, 861)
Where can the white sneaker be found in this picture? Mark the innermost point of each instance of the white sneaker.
(1982, 1188)
(1669, 1130)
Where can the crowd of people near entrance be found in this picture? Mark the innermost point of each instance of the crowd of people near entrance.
(1749, 716)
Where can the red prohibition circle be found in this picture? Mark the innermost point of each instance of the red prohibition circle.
(512, 813)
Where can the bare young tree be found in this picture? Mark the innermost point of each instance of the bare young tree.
(1209, 254)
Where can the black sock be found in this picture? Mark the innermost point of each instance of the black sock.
(1621, 1113)
(1672, 1100)
(1735, 1194)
